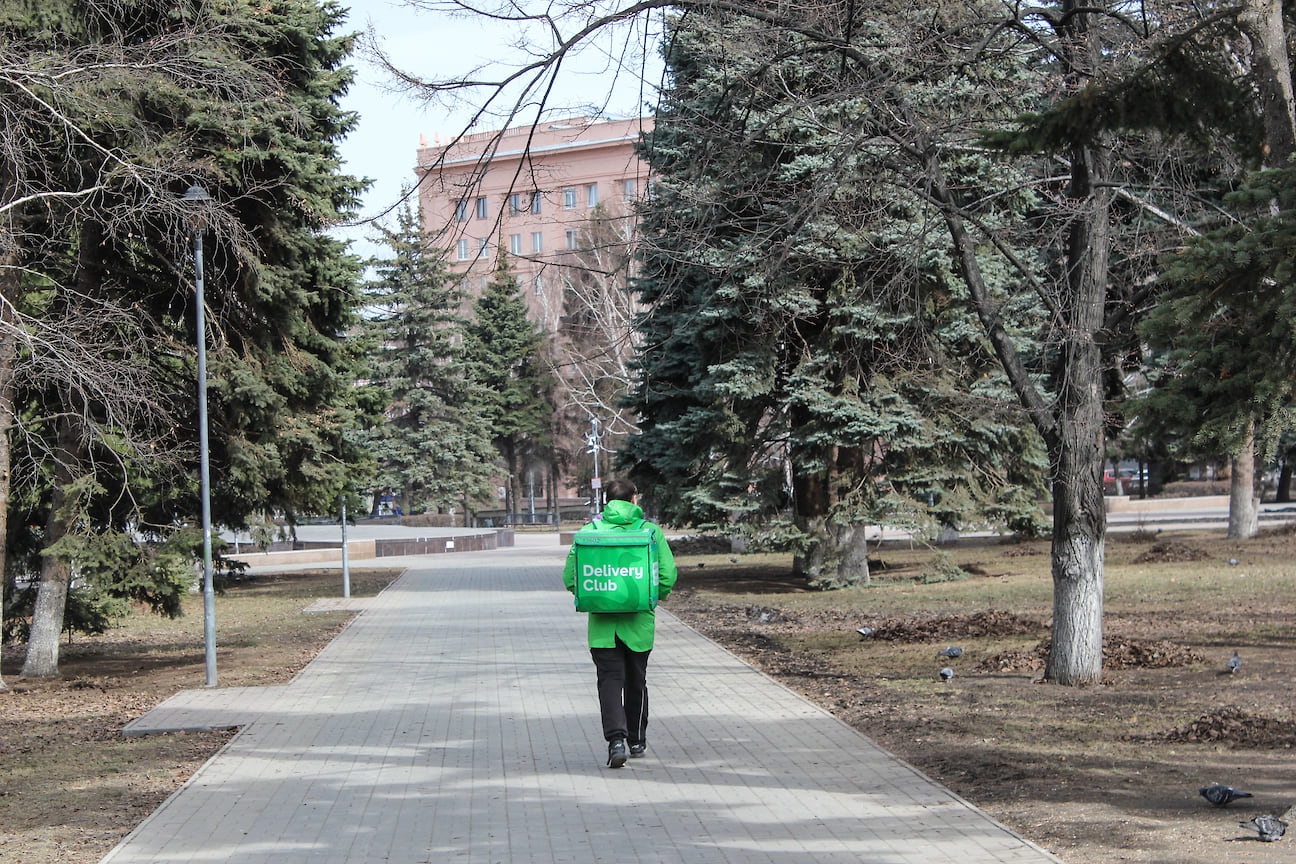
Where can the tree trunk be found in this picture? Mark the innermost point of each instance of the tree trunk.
(1072, 426)
(1079, 544)
(837, 555)
(1262, 20)
(1244, 506)
(1077, 451)
(8, 353)
(1283, 493)
(510, 482)
(55, 572)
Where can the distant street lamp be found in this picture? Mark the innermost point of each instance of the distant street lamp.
(197, 199)
(595, 441)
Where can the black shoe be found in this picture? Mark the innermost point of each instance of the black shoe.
(637, 750)
(616, 752)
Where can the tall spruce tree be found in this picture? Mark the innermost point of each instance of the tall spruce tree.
(433, 448)
(1224, 326)
(505, 348)
(803, 345)
(281, 397)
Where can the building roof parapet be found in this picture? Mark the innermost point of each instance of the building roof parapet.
(551, 137)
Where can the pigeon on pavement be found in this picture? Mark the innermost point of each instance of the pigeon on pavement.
(951, 652)
(1270, 827)
(1220, 795)
(1234, 663)
(946, 674)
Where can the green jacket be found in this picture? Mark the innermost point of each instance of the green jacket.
(635, 629)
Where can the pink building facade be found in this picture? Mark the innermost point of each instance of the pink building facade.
(533, 191)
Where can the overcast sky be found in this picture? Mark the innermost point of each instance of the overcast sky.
(434, 45)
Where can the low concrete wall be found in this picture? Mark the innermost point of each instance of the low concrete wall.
(357, 550)
(360, 550)
(432, 545)
(1126, 504)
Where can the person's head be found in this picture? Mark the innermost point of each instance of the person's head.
(621, 490)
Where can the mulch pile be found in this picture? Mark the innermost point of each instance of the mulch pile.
(1170, 552)
(991, 623)
(1118, 653)
(1231, 725)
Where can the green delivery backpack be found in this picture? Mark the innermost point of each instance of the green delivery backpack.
(616, 568)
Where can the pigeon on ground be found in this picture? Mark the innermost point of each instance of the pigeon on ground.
(865, 631)
(1220, 795)
(946, 674)
(1270, 827)
(951, 652)
(1234, 663)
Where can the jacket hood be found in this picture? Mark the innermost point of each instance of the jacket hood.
(621, 513)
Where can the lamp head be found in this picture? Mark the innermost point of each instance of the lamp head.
(196, 194)
(195, 201)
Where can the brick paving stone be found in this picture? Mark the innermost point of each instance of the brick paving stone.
(455, 719)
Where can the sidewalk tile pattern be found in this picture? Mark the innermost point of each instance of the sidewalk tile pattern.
(455, 720)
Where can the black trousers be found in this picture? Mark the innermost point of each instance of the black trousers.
(622, 691)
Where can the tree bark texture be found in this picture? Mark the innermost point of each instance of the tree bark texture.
(55, 573)
(1244, 506)
(1262, 20)
(1283, 493)
(838, 552)
(1077, 451)
(9, 288)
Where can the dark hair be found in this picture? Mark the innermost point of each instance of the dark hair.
(620, 490)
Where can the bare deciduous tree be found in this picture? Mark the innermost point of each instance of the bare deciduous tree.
(597, 329)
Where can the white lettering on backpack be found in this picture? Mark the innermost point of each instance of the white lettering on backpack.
(609, 572)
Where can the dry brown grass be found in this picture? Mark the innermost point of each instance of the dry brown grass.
(1097, 774)
(73, 785)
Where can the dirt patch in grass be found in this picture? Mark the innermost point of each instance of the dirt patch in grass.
(1107, 773)
(73, 784)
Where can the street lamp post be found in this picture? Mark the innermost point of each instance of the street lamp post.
(197, 198)
(594, 439)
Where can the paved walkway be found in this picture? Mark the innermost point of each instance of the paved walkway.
(455, 719)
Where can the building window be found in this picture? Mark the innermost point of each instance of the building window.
(461, 211)
(537, 241)
(569, 199)
(535, 203)
(628, 189)
(461, 249)
(539, 284)
(591, 195)
(571, 238)
(483, 250)
(515, 244)
(482, 212)
(515, 203)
